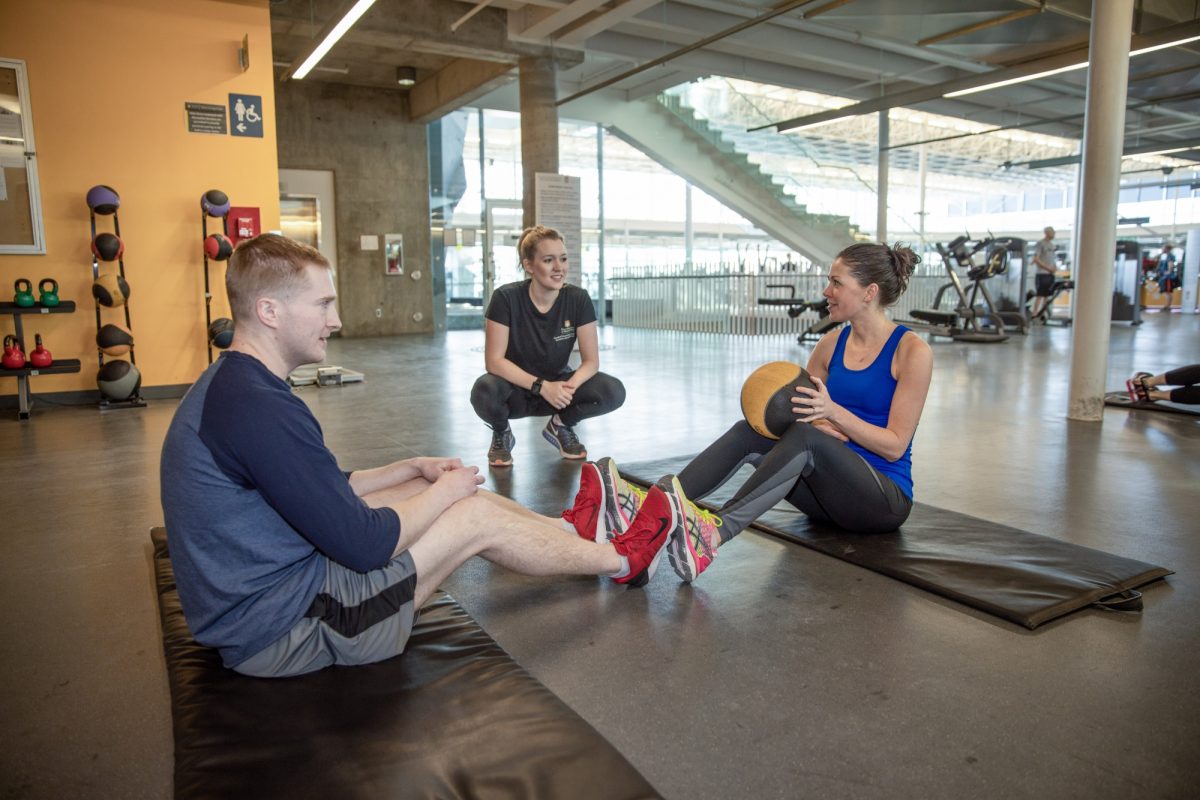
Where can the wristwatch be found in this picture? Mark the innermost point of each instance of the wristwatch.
(537, 386)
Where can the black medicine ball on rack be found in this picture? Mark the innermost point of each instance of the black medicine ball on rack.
(218, 247)
(118, 380)
(215, 203)
(114, 340)
(108, 247)
(220, 333)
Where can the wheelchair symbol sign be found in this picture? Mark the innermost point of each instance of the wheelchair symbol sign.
(245, 115)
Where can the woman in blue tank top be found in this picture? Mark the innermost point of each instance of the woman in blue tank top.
(847, 460)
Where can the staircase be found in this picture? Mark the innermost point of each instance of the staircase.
(668, 131)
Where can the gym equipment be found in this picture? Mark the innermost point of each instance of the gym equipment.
(1045, 315)
(1127, 283)
(1121, 400)
(1014, 574)
(48, 297)
(108, 247)
(1008, 281)
(114, 340)
(220, 333)
(40, 357)
(23, 289)
(967, 322)
(110, 290)
(214, 203)
(16, 342)
(323, 375)
(218, 247)
(453, 717)
(767, 396)
(103, 200)
(14, 357)
(797, 306)
(119, 380)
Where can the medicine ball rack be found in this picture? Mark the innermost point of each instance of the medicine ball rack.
(204, 215)
(60, 366)
(136, 400)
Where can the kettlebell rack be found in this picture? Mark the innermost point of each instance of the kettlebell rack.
(60, 366)
(208, 320)
(135, 400)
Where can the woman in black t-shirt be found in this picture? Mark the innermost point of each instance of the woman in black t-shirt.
(532, 327)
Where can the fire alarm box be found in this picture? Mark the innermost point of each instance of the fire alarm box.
(245, 222)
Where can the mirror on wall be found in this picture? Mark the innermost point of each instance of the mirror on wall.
(20, 204)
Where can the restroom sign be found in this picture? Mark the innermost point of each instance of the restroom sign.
(245, 115)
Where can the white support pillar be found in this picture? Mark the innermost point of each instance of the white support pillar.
(923, 175)
(1103, 141)
(882, 179)
(689, 232)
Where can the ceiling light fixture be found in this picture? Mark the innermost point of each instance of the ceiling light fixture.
(1047, 73)
(406, 76)
(331, 38)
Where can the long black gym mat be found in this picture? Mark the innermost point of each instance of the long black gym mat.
(1121, 400)
(1014, 574)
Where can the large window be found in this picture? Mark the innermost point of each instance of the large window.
(20, 203)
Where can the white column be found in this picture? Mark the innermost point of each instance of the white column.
(882, 179)
(1103, 140)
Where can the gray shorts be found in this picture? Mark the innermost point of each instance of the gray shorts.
(356, 618)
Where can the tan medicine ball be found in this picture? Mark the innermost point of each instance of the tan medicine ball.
(767, 396)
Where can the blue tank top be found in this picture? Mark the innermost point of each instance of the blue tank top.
(867, 393)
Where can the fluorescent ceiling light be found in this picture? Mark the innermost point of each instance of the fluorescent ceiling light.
(352, 16)
(1035, 76)
(1161, 152)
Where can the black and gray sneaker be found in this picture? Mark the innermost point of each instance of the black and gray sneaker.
(562, 437)
(500, 453)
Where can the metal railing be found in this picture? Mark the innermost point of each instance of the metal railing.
(715, 299)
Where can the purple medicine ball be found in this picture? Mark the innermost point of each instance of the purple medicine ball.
(103, 199)
(215, 203)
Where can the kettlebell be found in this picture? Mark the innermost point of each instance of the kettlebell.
(49, 297)
(24, 295)
(40, 357)
(13, 357)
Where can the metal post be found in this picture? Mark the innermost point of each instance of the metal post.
(1103, 140)
(600, 278)
(882, 179)
(688, 230)
(923, 172)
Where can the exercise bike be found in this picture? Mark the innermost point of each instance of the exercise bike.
(1046, 314)
(797, 306)
(967, 321)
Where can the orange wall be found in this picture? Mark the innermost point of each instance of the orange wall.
(108, 82)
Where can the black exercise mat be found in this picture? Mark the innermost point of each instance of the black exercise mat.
(1121, 400)
(453, 717)
(1014, 574)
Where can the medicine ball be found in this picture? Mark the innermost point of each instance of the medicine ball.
(110, 290)
(103, 199)
(218, 247)
(215, 203)
(118, 380)
(220, 333)
(114, 340)
(767, 396)
(108, 247)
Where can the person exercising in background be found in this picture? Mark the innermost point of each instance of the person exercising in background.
(532, 327)
(1144, 387)
(285, 563)
(846, 460)
(1047, 265)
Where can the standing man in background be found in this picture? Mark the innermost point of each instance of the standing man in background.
(1047, 265)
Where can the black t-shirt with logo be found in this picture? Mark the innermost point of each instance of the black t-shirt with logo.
(540, 343)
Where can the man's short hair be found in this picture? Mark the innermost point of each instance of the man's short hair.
(267, 265)
(1048, 229)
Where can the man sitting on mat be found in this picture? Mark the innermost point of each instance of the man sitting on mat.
(285, 563)
(847, 457)
(1144, 387)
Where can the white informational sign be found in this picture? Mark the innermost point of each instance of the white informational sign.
(556, 205)
(368, 242)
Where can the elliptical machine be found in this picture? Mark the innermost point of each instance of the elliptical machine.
(967, 321)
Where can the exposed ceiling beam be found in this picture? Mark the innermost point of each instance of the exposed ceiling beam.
(556, 20)
(979, 26)
(621, 11)
(1062, 59)
(1186, 150)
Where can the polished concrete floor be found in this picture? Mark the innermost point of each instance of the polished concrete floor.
(780, 673)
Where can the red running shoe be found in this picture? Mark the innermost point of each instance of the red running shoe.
(588, 510)
(643, 544)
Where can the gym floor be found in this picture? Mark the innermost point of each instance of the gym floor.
(780, 673)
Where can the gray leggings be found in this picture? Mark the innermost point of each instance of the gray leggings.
(813, 471)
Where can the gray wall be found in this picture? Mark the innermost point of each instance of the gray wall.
(381, 181)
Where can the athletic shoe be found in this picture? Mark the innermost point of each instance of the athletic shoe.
(621, 498)
(562, 437)
(1136, 386)
(694, 547)
(589, 507)
(643, 544)
(500, 453)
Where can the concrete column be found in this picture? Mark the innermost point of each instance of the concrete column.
(882, 176)
(689, 234)
(601, 277)
(923, 173)
(1103, 140)
(539, 128)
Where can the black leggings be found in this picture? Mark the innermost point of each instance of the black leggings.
(813, 471)
(496, 401)
(1187, 379)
